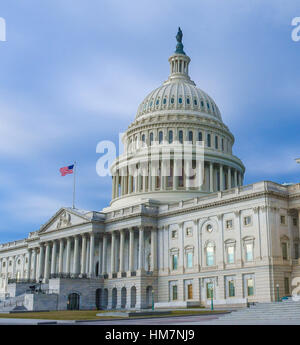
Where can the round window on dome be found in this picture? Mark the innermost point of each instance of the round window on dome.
(187, 101)
(165, 101)
(195, 102)
(180, 100)
(209, 228)
(172, 100)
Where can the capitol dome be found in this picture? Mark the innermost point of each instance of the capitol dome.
(173, 115)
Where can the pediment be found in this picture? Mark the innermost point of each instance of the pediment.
(64, 218)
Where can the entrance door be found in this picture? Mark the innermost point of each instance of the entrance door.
(98, 298)
(190, 291)
(73, 301)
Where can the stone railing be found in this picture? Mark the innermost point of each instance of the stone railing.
(21, 281)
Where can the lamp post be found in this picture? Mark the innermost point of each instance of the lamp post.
(212, 298)
(277, 288)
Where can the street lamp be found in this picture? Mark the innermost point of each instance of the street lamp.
(277, 287)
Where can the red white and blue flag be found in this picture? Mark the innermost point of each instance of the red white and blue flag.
(66, 170)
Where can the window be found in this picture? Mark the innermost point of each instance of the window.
(207, 105)
(209, 228)
(229, 224)
(3, 264)
(151, 104)
(195, 102)
(216, 142)
(189, 259)
(174, 292)
(247, 220)
(286, 285)
(174, 234)
(187, 101)
(157, 102)
(222, 144)
(296, 250)
(230, 254)
(190, 291)
(174, 261)
(160, 137)
(284, 251)
(295, 221)
(188, 231)
(249, 252)
(202, 104)
(200, 136)
(143, 138)
(210, 255)
(170, 137)
(180, 134)
(190, 136)
(172, 100)
(180, 100)
(209, 290)
(231, 288)
(151, 138)
(165, 101)
(250, 287)
(208, 140)
(282, 220)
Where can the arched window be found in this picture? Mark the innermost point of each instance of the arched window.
(200, 136)
(160, 137)
(143, 138)
(157, 102)
(180, 135)
(195, 102)
(207, 105)
(165, 101)
(202, 104)
(210, 254)
(190, 136)
(170, 137)
(187, 101)
(180, 100)
(208, 140)
(216, 142)
(172, 100)
(151, 138)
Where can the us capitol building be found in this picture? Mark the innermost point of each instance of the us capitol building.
(168, 240)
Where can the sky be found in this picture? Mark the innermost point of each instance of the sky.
(73, 72)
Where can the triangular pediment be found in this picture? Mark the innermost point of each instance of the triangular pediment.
(64, 218)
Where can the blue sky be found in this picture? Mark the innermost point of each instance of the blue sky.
(73, 73)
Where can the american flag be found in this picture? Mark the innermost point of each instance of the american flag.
(66, 170)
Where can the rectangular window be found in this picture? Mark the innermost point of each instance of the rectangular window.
(296, 246)
(210, 256)
(247, 220)
(190, 291)
(188, 231)
(295, 221)
(189, 260)
(282, 220)
(250, 287)
(286, 286)
(231, 288)
(174, 292)
(284, 251)
(174, 261)
(230, 255)
(209, 290)
(174, 234)
(229, 224)
(249, 252)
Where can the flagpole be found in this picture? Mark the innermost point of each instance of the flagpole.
(74, 185)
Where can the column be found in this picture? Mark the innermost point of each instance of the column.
(141, 248)
(92, 253)
(131, 250)
(113, 187)
(29, 264)
(47, 258)
(100, 257)
(129, 184)
(104, 254)
(221, 178)
(229, 178)
(83, 254)
(175, 172)
(117, 185)
(153, 249)
(181, 247)
(68, 263)
(112, 254)
(122, 241)
(61, 256)
(76, 255)
(53, 258)
(41, 261)
(235, 178)
(34, 264)
(211, 177)
(14, 267)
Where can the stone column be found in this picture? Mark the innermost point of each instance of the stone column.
(141, 248)
(104, 254)
(153, 249)
(47, 258)
(92, 253)
(221, 178)
(122, 241)
(83, 254)
(41, 261)
(235, 178)
(113, 187)
(34, 264)
(129, 184)
(181, 247)
(131, 250)
(175, 172)
(117, 185)
(61, 256)
(112, 254)
(29, 263)
(100, 245)
(53, 258)
(211, 177)
(229, 186)
(76, 255)
(68, 263)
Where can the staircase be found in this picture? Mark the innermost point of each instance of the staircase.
(285, 312)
